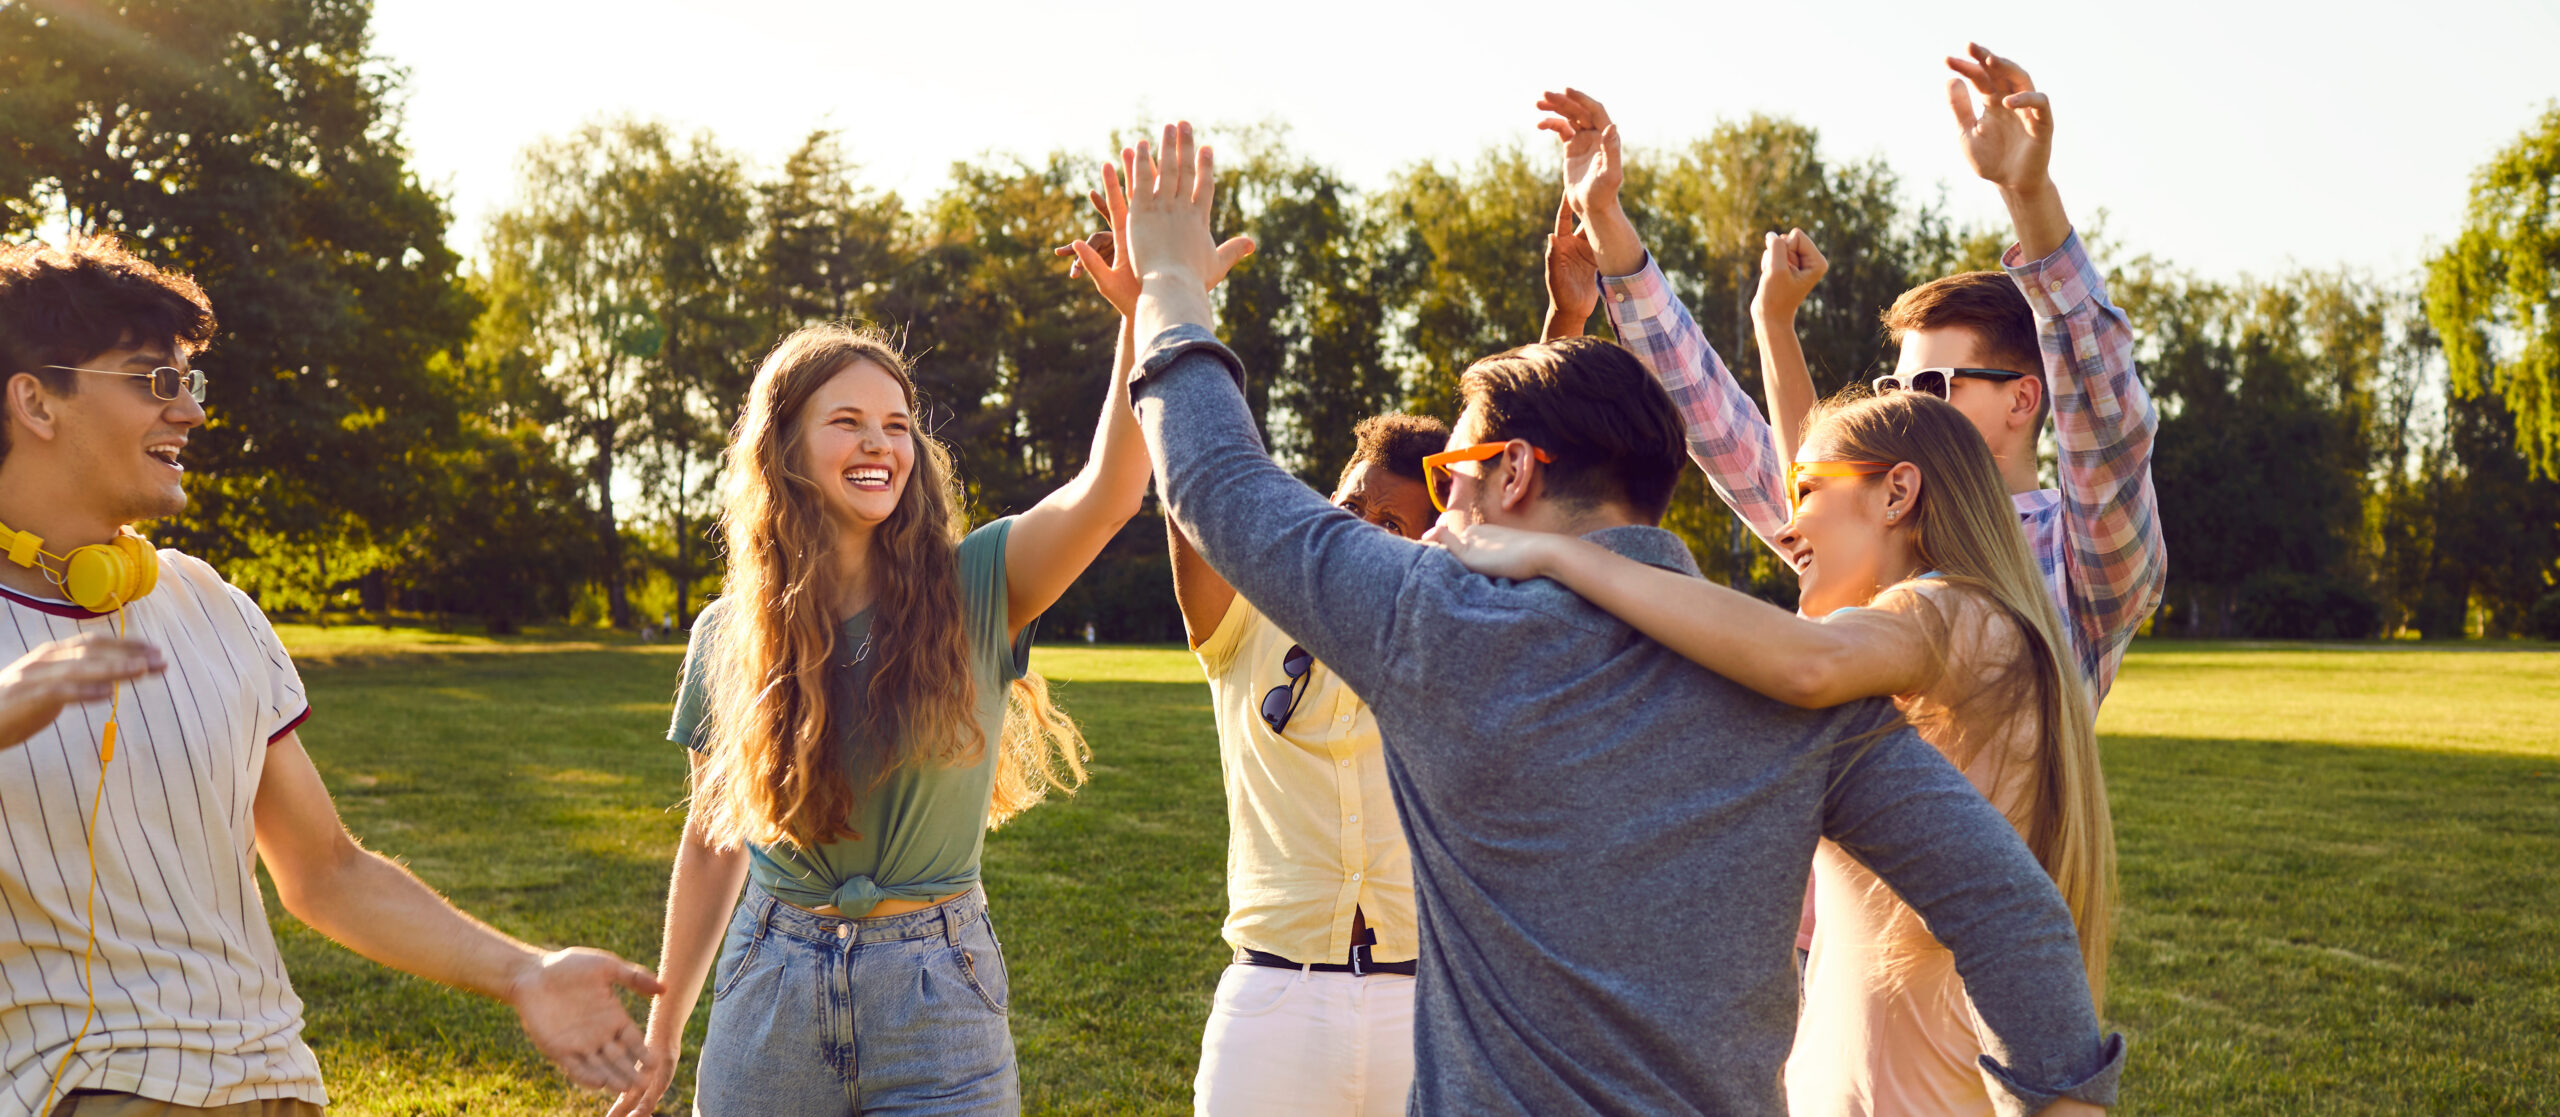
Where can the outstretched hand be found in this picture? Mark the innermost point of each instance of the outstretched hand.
(1573, 277)
(566, 1001)
(34, 689)
(1789, 267)
(2009, 140)
(1593, 168)
(1098, 256)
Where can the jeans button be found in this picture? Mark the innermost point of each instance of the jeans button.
(843, 930)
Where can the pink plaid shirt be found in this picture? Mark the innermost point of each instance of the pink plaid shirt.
(2097, 536)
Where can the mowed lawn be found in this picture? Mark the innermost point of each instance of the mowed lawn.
(2338, 868)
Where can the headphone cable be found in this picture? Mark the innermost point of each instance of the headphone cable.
(89, 956)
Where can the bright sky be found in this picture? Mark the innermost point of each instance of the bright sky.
(2228, 136)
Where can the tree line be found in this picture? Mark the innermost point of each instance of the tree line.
(534, 433)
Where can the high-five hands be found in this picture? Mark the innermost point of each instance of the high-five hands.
(1171, 190)
(566, 1001)
(34, 689)
(1789, 267)
(1573, 277)
(2009, 142)
(1113, 274)
(1593, 168)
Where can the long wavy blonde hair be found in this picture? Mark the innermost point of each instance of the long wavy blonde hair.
(1966, 528)
(775, 770)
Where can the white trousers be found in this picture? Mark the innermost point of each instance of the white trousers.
(1295, 1043)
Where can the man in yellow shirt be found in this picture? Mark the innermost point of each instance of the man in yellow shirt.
(1316, 1014)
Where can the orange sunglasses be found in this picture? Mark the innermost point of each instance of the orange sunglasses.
(1799, 470)
(1435, 467)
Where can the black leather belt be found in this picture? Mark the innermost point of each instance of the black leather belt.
(1359, 963)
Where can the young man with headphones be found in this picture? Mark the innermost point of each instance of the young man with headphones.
(148, 749)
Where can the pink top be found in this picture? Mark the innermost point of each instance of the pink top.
(1886, 1026)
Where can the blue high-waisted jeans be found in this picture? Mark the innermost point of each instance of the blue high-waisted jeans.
(814, 1015)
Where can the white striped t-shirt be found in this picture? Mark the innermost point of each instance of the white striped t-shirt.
(193, 1004)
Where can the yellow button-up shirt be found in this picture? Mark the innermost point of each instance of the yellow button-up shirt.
(1312, 831)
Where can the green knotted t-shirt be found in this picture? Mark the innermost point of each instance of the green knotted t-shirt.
(925, 825)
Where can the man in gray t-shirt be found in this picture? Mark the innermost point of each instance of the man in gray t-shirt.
(1609, 842)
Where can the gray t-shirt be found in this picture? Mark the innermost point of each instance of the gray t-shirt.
(923, 828)
(1610, 843)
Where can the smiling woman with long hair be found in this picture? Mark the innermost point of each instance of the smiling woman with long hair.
(1916, 584)
(861, 712)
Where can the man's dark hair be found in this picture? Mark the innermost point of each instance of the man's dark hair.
(1397, 443)
(1985, 302)
(65, 305)
(1594, 409)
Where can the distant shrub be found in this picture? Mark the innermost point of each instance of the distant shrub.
(2544, 620)
(2286, 606)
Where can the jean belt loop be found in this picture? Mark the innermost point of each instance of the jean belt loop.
(950, 922)
(764, 913)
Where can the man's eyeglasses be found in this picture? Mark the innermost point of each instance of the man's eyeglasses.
(1435, 467)
(1281, 701)
(1799, 470)
(1934, 381)
(166, 383)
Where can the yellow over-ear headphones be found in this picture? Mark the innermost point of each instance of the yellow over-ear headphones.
(101, 577)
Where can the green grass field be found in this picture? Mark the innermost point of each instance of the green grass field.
(2338, 870)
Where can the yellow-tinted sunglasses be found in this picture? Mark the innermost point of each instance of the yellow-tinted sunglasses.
(1797, 471)
(1435, 467)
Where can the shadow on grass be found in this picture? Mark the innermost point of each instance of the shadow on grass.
(2335, 930)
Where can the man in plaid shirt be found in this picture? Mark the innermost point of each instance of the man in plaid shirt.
(1984, 335)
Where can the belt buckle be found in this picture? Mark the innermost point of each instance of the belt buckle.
(1359, 959)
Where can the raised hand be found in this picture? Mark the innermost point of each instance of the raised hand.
(1593, 169)
(34, 689)
(2010, 140)
(566, 1001)
(1573, 277)
(1113, 275)
(1789, 267)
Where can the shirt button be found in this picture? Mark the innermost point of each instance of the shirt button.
(1346, 718)
(1355, 876)
(1618, 297)
(2057, 287)
(1346, 763)
(1355, 818)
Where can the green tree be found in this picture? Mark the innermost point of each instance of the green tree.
(2495, 295)
(829, 248)
(620, 276)
(256, 146)
(1307, 311)
(2262, 456)
(506, 539)
(1458, 258)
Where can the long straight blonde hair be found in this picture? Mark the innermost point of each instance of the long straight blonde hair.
(775, 771)
(1965, 527)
